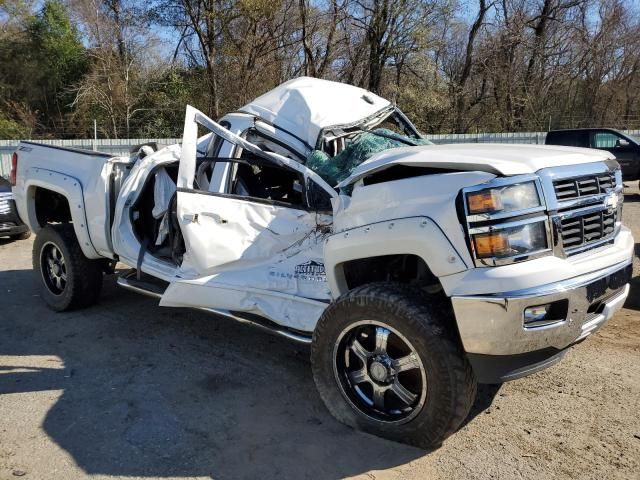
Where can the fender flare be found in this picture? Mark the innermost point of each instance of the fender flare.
(71, 189)
(418, 236)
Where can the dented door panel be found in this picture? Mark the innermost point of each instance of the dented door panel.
(247, 254)
(251, 257)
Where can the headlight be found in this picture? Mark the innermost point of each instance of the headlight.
(506, 220)
(511, 241)
(507, 198)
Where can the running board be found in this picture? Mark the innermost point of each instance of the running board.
(129, 281)
(146, 287)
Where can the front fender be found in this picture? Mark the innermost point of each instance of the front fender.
(418, 236)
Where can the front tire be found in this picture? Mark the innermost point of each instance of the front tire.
(385, 362)
(69, 279)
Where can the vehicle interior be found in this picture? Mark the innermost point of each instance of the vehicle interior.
(154, 214)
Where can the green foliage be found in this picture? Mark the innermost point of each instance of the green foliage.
(163, 101)
(10, 129)
(57, 48)
(523, 72)
(41, 58)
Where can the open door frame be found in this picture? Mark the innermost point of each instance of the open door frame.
(247, 255)
(194, 117)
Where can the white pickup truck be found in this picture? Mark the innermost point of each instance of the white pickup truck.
(317, 211)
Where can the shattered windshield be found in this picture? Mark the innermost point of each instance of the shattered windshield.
(355, 147)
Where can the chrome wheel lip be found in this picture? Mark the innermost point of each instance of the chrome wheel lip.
(53, 268)
(341, 378)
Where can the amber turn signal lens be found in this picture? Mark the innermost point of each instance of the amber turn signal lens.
(494, 244)
(484, 201)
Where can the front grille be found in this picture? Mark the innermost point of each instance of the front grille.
(5, 207)
(581, 230)
(570, 188)
(7, 225)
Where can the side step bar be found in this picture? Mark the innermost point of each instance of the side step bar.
(154, 289)
(146, 287)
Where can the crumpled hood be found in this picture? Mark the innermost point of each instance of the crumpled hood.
(499, 159)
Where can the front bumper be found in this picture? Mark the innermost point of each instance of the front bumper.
(494, 325)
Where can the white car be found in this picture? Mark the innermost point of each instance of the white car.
(10, 224)
(317, 211)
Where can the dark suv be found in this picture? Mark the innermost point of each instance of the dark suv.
(625, 147)
(10, 224)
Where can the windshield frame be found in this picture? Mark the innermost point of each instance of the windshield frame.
(367, 124)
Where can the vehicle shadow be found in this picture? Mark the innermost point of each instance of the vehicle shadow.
(633, 300)
(150, 391)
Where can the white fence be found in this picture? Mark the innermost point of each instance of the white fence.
(122, 146)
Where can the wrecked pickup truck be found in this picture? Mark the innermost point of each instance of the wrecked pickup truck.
(317, 211)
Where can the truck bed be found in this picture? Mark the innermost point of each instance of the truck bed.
(89, 180)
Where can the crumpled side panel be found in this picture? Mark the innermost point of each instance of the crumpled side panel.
(289, 311)
(291, 289)
(233, 233)
(252, 257)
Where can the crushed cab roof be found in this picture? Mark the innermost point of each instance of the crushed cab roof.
(304, 106)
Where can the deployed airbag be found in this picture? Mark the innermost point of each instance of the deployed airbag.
(163, 190)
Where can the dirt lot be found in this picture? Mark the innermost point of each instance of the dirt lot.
(126, 389)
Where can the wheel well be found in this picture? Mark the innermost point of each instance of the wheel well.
(405, 268)
(51, 207)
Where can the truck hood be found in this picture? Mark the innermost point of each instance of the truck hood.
(499, 159)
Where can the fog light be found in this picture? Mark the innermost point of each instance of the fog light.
(542, 315)
(535, 314)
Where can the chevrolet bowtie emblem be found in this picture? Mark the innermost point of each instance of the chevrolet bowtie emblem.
(611, 201)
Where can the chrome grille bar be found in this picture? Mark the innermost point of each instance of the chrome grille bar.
(571, 188)
(583, 205)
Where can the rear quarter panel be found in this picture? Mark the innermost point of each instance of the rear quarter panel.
(81, 177)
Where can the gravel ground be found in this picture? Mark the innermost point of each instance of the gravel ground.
(127, 389)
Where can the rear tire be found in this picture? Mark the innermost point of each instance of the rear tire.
(69, 279)
(431, 403)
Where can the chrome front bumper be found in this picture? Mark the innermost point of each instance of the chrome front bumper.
(494, 325)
